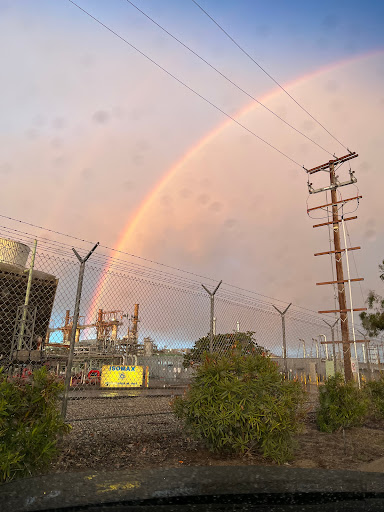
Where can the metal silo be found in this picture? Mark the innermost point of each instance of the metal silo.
(13, 253)
(13, 287)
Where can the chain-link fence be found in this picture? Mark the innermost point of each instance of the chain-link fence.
(113, 329)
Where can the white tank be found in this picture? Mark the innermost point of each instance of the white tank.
(13, 253)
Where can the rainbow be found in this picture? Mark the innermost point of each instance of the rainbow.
(137, 216)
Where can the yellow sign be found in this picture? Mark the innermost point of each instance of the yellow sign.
(121, 376)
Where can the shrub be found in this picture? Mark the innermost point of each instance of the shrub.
(223, 344)
(341, 405)
(240, 403)
(29, 423)
(375, 393)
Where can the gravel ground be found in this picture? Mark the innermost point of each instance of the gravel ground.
(147, 435)
(111, 407)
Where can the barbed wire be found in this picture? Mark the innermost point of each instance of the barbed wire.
(113, 263)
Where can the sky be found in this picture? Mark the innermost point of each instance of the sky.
(100, 143)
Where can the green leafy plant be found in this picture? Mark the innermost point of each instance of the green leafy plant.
(223, 344)
(30, 422)
(341, 405)
(373, 319)
(375, 393)
(241, 403)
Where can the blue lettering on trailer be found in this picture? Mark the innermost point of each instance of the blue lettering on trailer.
(123, 368)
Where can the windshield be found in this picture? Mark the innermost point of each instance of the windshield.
(186, 276)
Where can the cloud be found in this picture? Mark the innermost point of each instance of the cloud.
(254, 210)
(104, 127)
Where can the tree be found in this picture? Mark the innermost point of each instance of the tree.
(373, 321)
(240, 342)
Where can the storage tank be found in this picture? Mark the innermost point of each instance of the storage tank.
(148, 347)
(13, 253)
(13, 287)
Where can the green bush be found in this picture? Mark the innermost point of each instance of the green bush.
(223, 344)
(30, 422)
(375, 393)
(240, 403)
(341, 405)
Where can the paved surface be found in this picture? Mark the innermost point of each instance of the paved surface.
(66, 490)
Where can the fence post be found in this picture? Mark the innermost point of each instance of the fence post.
(26, 302)
(332, 327)
(304, 350)
(316, 347)
(212, 320)
(326, 345)
(366, 345)
(74, 327)
(282, 314)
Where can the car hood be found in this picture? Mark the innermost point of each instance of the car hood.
(62, 490)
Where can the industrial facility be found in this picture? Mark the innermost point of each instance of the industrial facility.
(26, 302)
(111, 347)
(27, 298)
(108, 343)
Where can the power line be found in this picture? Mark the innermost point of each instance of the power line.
(117, 265)
(106, 247)
(63, 249)
(120, 268)
(185, 85)
(266, 72)
(150, 276)
(108, 260)
(228, 79)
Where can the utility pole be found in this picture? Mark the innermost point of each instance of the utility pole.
(338, 251)
(340, 277)
(212, 326)
(282, 314)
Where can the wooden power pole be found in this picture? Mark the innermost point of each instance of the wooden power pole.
(340, 277)
(338, 251)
